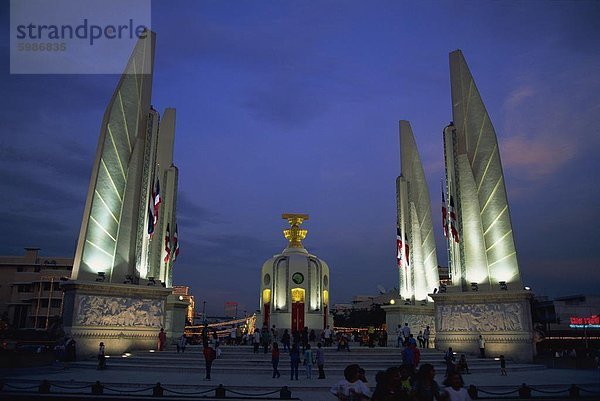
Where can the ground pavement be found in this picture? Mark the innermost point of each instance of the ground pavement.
(241, 370)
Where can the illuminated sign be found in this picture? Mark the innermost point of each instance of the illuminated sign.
(592, 322)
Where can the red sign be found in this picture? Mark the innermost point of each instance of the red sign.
(592, 320)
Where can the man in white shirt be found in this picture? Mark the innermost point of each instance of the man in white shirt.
(406, 332)
(327, 336)
(481, 347)
(351, 388)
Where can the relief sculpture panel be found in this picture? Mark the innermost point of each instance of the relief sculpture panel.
(93, 310)
(480, 317)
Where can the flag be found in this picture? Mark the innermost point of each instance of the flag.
(156, 199)
(167, 244)
(399, 247)
(453, 220)
(150, 219)
(406, 252)
(175, 244)
(444, 216)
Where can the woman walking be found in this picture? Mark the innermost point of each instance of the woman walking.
(275, 360)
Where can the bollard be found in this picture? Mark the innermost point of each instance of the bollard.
(473, 392)
(97, 388)
(220, 391)
(574, 391)
(524, 391)
(44, 388)
(157, 391)
(285, 393)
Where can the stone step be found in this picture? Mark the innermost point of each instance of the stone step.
(265, 369)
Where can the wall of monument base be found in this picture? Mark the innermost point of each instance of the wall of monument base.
(418, 318)
(124, 317)
(503, 318)
(514, 345)
(116, 340)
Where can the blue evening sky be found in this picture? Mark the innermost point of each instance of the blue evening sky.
(293, 106)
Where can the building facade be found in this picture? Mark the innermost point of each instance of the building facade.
(30, 293)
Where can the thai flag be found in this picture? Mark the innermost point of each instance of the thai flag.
(444, 216)
(150, 220)
(406, 252)
(176, 244)
(157, 200)
(453, 220)
(399, 246)
(167, 244)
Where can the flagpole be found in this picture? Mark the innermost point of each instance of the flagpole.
(450, 262)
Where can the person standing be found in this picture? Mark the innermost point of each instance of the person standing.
(304, 338)
(400, 337)
(209, 356)
(285, 340)
(256, 340)
(181, 344)
(426, 334)
(321, 360)
(481, 347)
(101, 357)
(408, 354)
(406, 332)
(274, 333)
(327, 336)
(265, 338)
(502, 366)
(449, 358)
(162, 340)
(416, 355)
(420, 339)
(275, 359)
(308, 361)
(294, 361)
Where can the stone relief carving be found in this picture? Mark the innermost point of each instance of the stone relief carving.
(480, 317)
(416, 323)
(93, 310)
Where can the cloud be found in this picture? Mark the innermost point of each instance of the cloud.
(537, 157)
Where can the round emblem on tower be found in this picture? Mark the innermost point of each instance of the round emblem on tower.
(297, 278)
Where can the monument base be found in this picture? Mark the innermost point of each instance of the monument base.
(124, 317)
(176, 313)
(418, 318)
(503, 318)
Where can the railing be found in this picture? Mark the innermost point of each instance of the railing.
(158, 390)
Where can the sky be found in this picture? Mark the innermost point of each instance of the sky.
(293, 106)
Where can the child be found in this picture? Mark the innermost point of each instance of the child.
(320, 360)
(502, 366)
(275, 359)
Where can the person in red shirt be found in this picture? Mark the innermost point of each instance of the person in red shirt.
(416, 355)
(209, 356)
(162, 340)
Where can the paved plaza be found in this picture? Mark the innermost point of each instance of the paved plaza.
(242, 371)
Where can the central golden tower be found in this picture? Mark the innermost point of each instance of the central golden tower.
(295, 234)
